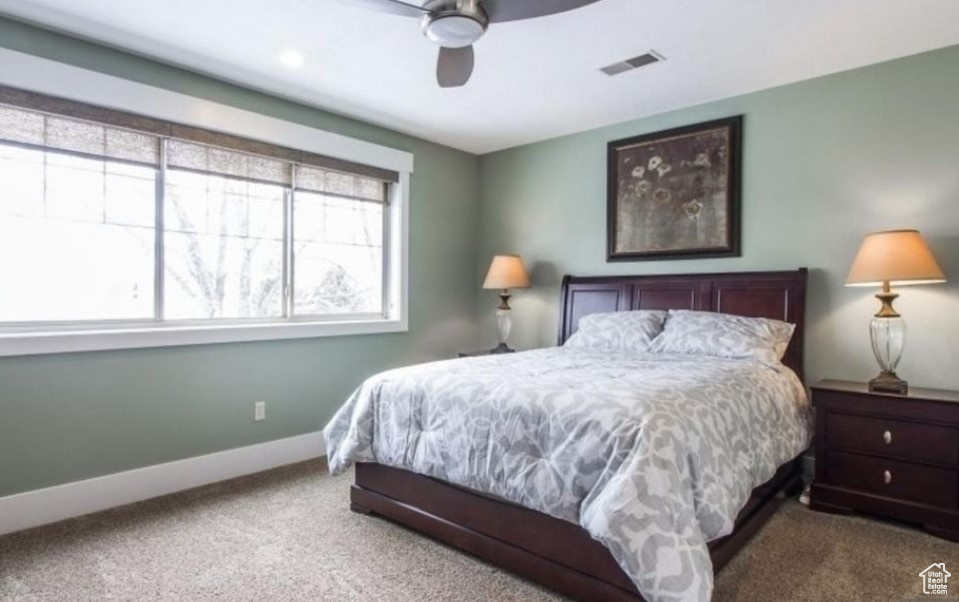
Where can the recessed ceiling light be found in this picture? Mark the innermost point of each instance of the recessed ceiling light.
(292, 59)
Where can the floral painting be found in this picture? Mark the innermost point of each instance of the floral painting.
(675, 194)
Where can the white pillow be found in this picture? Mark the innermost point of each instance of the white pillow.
(724, 335)
(623, 330)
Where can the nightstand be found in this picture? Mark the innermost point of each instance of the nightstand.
(895, 456)
(483, 352)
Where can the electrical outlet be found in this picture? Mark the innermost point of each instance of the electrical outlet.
(259, 411)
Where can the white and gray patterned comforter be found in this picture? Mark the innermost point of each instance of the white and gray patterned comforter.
(653, 455)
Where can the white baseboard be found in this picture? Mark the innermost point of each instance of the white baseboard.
(42, 506)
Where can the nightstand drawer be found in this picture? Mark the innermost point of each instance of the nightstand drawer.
(893, 438)
(894, 479)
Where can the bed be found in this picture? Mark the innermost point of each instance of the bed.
(545, 544)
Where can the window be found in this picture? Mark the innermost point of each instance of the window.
(338, 244)
(104, 226)
(223, 233)
(77, 229)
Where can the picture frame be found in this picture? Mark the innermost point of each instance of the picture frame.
(675, 194)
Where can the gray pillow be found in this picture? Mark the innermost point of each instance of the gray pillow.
(724, 335)
(621, 330)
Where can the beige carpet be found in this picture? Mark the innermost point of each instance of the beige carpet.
(288, 535)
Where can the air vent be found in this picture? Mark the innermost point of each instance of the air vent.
(634, 63)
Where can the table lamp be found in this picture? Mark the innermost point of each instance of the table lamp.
(893, 257)
(505, 272)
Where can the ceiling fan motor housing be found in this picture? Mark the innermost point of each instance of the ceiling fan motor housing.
(454, 23)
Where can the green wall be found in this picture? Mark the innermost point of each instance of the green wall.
(825, 161)
(74, 416)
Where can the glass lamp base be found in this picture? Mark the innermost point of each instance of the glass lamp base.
(888, 336)
(504, 323)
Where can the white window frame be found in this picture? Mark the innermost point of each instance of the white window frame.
(57, 79)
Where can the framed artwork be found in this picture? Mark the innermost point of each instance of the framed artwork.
(675, 194)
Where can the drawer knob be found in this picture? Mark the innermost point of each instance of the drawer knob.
(886, 477)
(887, 437)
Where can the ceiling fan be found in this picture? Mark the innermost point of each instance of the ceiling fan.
(456, 24)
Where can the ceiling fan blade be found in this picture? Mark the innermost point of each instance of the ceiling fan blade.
(454, 66)
(393, 7)
(514, 10)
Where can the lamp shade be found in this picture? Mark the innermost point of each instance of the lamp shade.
(896, 256)
(506, 271)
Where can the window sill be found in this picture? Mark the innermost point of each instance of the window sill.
(70, 341)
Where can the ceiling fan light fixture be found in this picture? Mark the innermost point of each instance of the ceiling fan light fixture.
(454, 31)
(454, 24)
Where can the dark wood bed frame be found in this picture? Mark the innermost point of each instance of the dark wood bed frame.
(555, 553)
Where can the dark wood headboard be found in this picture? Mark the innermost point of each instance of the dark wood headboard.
(777, 295)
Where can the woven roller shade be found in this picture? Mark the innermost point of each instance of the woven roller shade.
(120, 127)
(34, 129)
(221, 161)
(337, 183)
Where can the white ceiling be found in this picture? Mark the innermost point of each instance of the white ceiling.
(534, 79)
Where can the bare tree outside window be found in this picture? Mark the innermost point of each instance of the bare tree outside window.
(223, 241)
(338, 255)
(224, 250)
